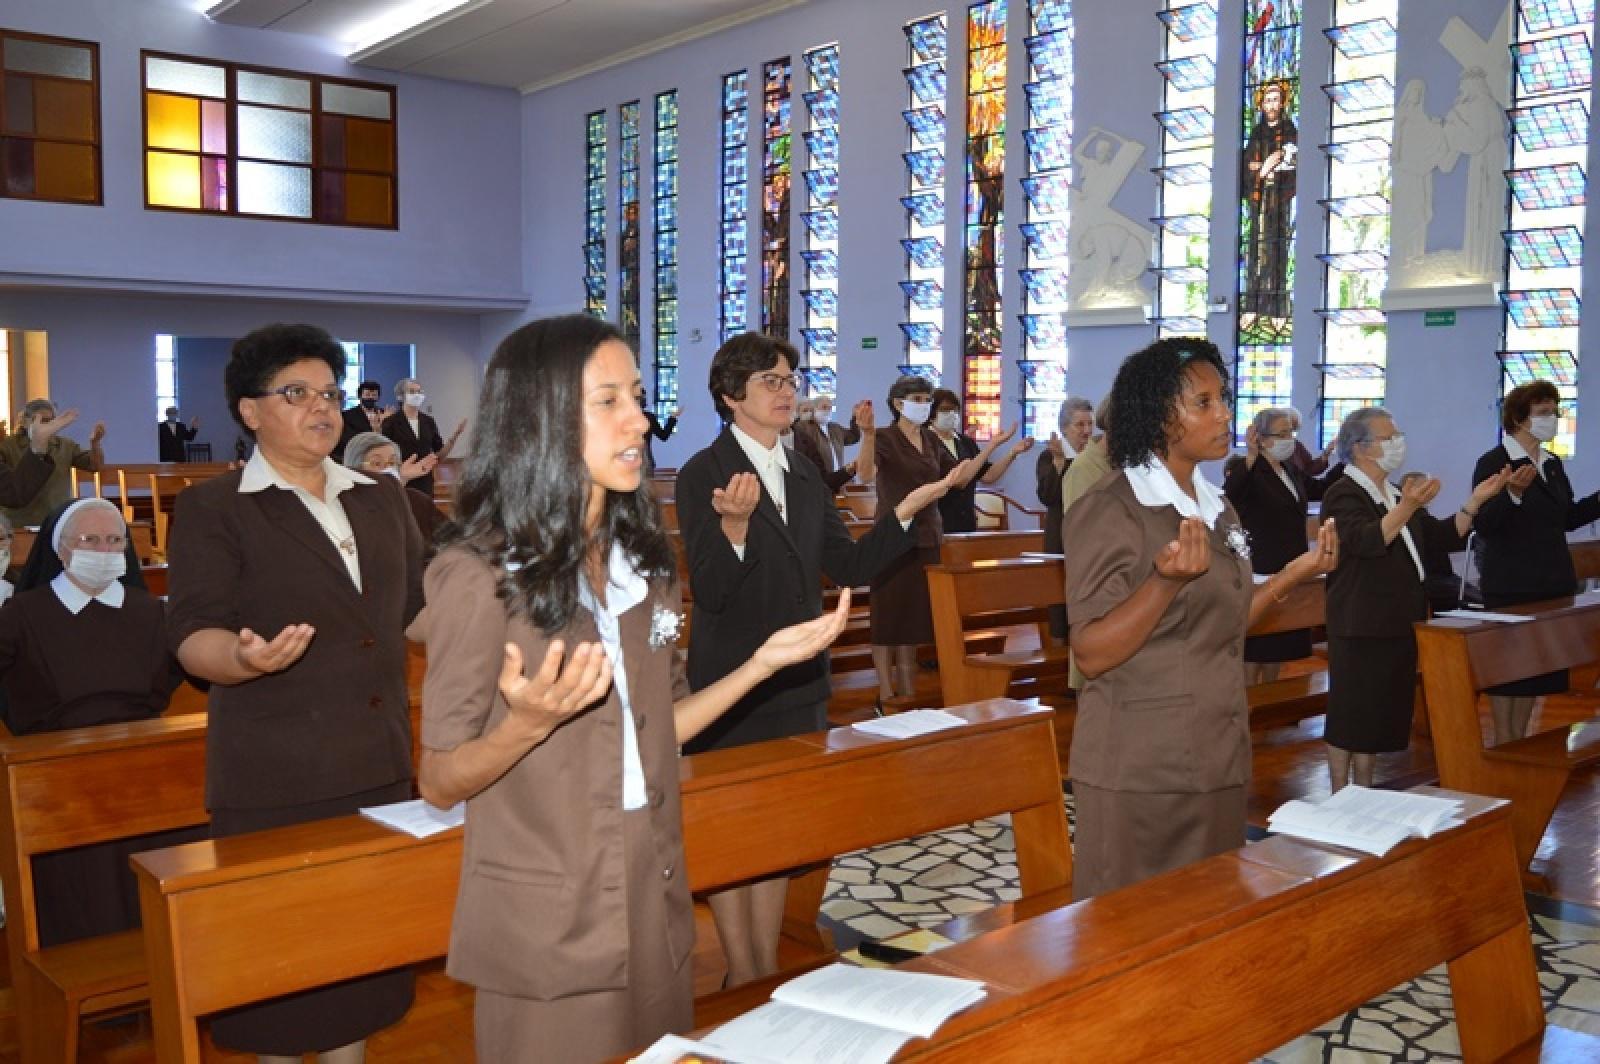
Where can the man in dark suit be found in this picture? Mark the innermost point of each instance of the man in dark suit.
(173, 435)
(416, 433)
(656, 431)
(839, 437)
(365, 416)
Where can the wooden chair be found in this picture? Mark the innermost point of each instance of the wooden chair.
(1009, 512)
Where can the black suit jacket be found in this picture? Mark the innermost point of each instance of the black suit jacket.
(353, 423)
(1376, 591)
(1522, 549)
(335, 722)
(171, 436)
(738, 604)
(425, 441)
(1274, 516)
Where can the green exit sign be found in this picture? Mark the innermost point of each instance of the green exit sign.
(869, 343)
(1439, 318)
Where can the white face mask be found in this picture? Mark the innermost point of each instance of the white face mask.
(1280, 450)
(806, 415)
(1394, 454)
(1542, 427)
(948, 420)
(415, 399)
(916, 412)
(5, 560)
(97, 569)
(824, 413)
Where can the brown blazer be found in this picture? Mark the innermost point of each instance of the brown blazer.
(541, 911)
(335, 722)
(1173, 718)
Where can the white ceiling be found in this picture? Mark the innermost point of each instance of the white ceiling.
(522, 44)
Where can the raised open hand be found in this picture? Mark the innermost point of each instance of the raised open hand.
(804, 641)
(262, 656)
(1321, 559)
(1188, 556)
(918, 498)
(863, 416)
(738, 500)
(558, 691)
(1491, 486)
(1420, 491)
(1521, 477)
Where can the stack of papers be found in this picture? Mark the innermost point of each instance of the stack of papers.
(417, 817)
(1372, 821)
(910, 723)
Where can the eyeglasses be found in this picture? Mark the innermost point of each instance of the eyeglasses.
(777, 382)
(1393, 436)
(114, 541)
(1277, 435)
(301, 394)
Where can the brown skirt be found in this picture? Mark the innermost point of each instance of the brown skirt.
(902, 614)
(313, 1021)
(1123, 837)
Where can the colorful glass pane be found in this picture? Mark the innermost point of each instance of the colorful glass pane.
(1050, 103)
(823, 225)
(734, 242)
(923, 334)
(1543, 308)
(1562, 124)
(1524, 367)
(1048, 193)
(1540, 16)
(1362, 95)
(822, 146)
(1046, 240)
(1049, 54)
(1350, 261)
(1359, 40)
(1548, 248)
(1553, 64)
(926, 294)
(927, 208)
(928, 38)
(1190, 72)
(1191, 22)
(928, 82)
(1187, 123)
(1185, 174)
(925, 251)
(1353, 371)
(777, 176)
(1545, 187)
(927, 125)
(821, 301)
(926, 166)
(665, 393)
(1048, 149)
(1353, 315)
(1357, 152)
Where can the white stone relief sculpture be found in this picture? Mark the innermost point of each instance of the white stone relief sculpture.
(1110, 252)
(1473, 131)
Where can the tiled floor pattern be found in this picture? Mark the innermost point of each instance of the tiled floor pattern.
(929, 879)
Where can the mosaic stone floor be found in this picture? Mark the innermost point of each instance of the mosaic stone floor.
(926, 880)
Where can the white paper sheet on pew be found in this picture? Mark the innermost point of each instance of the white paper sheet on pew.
(674, 1049)
(911, 722)
(1484, 615)
(417, 817)
(1360, 818)
(844, 1013)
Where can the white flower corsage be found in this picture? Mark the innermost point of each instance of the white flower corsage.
(664, 627)
(1238, 540)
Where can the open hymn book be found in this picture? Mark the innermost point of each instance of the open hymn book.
(1373, 821)
(833, 1014)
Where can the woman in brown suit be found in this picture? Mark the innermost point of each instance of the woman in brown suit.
(1159, 596)
(292, 581)
(573, 918)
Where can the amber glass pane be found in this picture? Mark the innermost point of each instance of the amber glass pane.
(64, 109)
(172, 180)
(172, 122)
(64, 171)
(369, 145)
(19, 104)
(368, 200)
(16, 160)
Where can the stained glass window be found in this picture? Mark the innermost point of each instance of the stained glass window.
(1356, 234)
(985, 217)
(226, 139)
(926, 124)
(733, 247)
(1268, 173)
(1543, 293)
(628, 227)
(1183, 210)
(166, 372)
(776, 176)
(1048, 170)
(665, 292)
(594, 214)
(49, 118)
(820, 335)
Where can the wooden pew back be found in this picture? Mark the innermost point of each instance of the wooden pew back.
(964, 548)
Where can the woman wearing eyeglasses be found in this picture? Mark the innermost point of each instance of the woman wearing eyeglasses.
(1522, 534)
(1378, 593)
(292, 581)
(1271, 497)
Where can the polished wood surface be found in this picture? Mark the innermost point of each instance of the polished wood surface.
(963, 548)
(996, 591)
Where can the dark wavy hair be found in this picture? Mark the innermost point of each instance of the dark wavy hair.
(739, 359)
(524, 494)
(904, 385)
(1516, 407)
(1144, 398)
(258, 356)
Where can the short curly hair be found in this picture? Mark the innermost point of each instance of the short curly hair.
(1144, 398)
(1518, 403)
(257, 357)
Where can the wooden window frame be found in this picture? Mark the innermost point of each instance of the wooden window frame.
(94, 92)
(316, 166)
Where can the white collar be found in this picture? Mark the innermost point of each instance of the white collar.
(74, 598)
(1154, 486)
(1386, 495)
(625, 588)
(761, 457)
(260, 474)
(1515, 451)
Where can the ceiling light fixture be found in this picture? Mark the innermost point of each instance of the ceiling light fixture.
(212, 8)
(401, 23)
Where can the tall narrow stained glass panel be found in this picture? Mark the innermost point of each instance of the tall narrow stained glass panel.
(628, 228)
(985, 217)
(821, 255)
(1355, 258)
(1268, 168)
(1048, 170)
(776, 177)
(1552, 54)
(665, 230)
(733, 248)
(1183, 211)
(926, 125)
(594, 214)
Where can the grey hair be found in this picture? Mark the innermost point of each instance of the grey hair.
(1069, 407)
(36, 406)
(1268, 414)
(1356, 430)
(363, 444)
(400, 387)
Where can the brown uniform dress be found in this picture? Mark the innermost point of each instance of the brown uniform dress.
(573, 918)
(1161, 747)
(902, 614)
(324, 737)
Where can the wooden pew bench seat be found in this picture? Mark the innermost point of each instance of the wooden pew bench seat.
(1565, 749)
(1288, 700)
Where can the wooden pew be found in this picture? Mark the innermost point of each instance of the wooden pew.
(1586, 558)
(1460, 658)
(995, 507)
(1234, 956)
(964, 548)
(365, 898)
